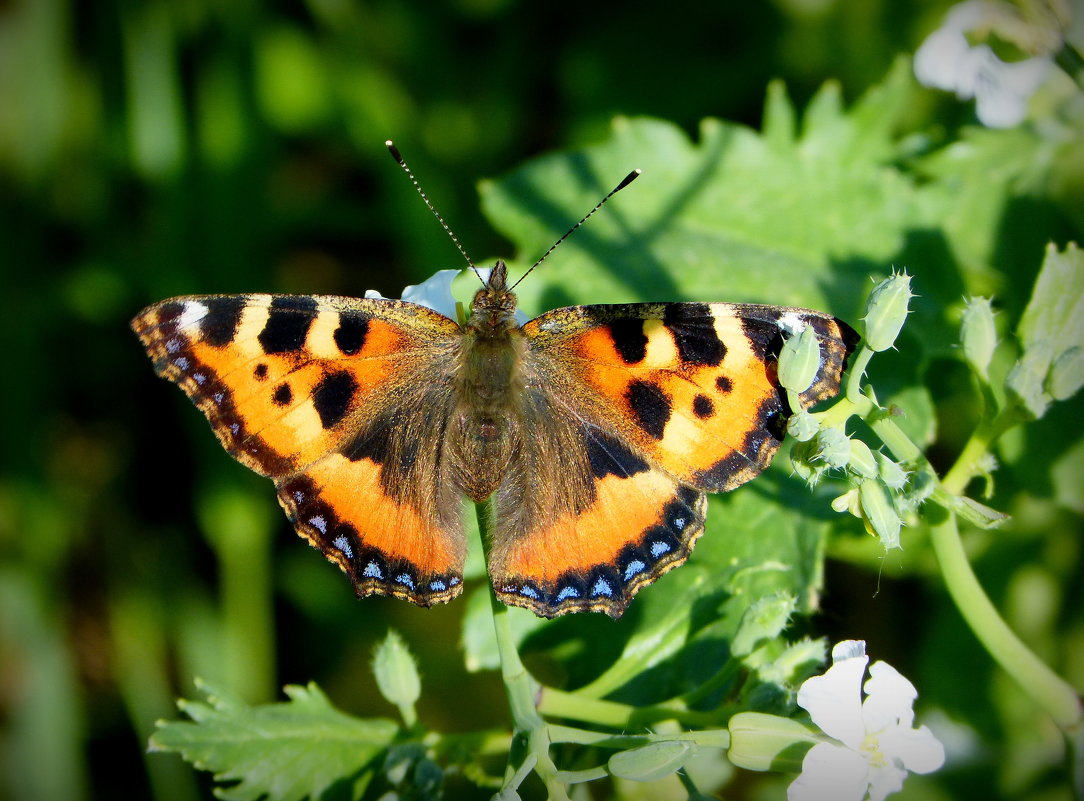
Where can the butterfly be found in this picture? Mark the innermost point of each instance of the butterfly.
(595, 431)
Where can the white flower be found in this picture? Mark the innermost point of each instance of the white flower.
(435, 292)
(947, 60)
(875, 742)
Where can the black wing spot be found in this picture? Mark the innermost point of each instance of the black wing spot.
(260, 372)
(703, 407)
(351, 333)
(629, 339)
(650, 407)
(283, 395)
(332, 397)
(693, 329)
(219, 326)
(724, 384)
(609, 456)
(288, 322)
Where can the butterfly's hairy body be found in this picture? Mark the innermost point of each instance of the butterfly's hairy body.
(489, 388)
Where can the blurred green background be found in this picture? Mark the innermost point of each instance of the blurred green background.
(149, 149)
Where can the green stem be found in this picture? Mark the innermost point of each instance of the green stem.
(969, 463)
(855, 374)
(709, 738)
(522, 691)
(561, 704)
(1045, 687)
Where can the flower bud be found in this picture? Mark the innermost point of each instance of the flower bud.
(847, 502)
(978, 334)
(768, 742)
(833, 447)
(651, 762)
(764, 619)
(878, 513)
(886, 311)
(805, 461)
(800, 360)
(861, 461)
(894, 476)
(802, 426)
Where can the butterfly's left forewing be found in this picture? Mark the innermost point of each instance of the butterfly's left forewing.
(313, 391)
(665, 402)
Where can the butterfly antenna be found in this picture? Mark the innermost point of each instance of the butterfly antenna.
(628, 179)
(395, 154)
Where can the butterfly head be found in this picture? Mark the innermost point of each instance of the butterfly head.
(493, 309)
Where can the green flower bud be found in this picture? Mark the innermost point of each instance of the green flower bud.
(833, 447)
(768, 742)
(886, 311)
(861, 462)
(1066, 374)
(764, 619)
(804, 460)
(847, 502)
(894, 476)
(397, 675)
(978, 334)
(802, 426)
(800, 360)
(651, 762)
(878, 513)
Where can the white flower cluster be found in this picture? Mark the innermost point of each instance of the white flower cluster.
(948, 60)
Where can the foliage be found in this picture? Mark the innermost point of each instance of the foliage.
(718, 636)
(154, 149)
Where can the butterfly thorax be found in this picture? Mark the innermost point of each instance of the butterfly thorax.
(488, 388)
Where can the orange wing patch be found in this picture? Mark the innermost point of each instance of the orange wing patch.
(383, 543)
(692, 385)
(289, 384)
(639, 524)
(283, 380)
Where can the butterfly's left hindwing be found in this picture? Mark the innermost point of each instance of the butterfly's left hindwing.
(311, 391)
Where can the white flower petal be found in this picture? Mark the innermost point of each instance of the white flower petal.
(834, 700)
(890, 699)
(942, 61)
(830, 773)
(435, 292)
(1004, 89)
(885, 780)
(916, 749)
(372, 294)
(848, 649)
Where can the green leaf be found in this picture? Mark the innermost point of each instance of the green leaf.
(1051, 332)
(284, 751)
(396, 675)
(736, 216)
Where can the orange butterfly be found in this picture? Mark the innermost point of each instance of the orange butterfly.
(596, 430)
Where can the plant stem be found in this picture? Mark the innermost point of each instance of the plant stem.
(574, 706)
(1045, 687)
(522, 691)
(968, 464)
